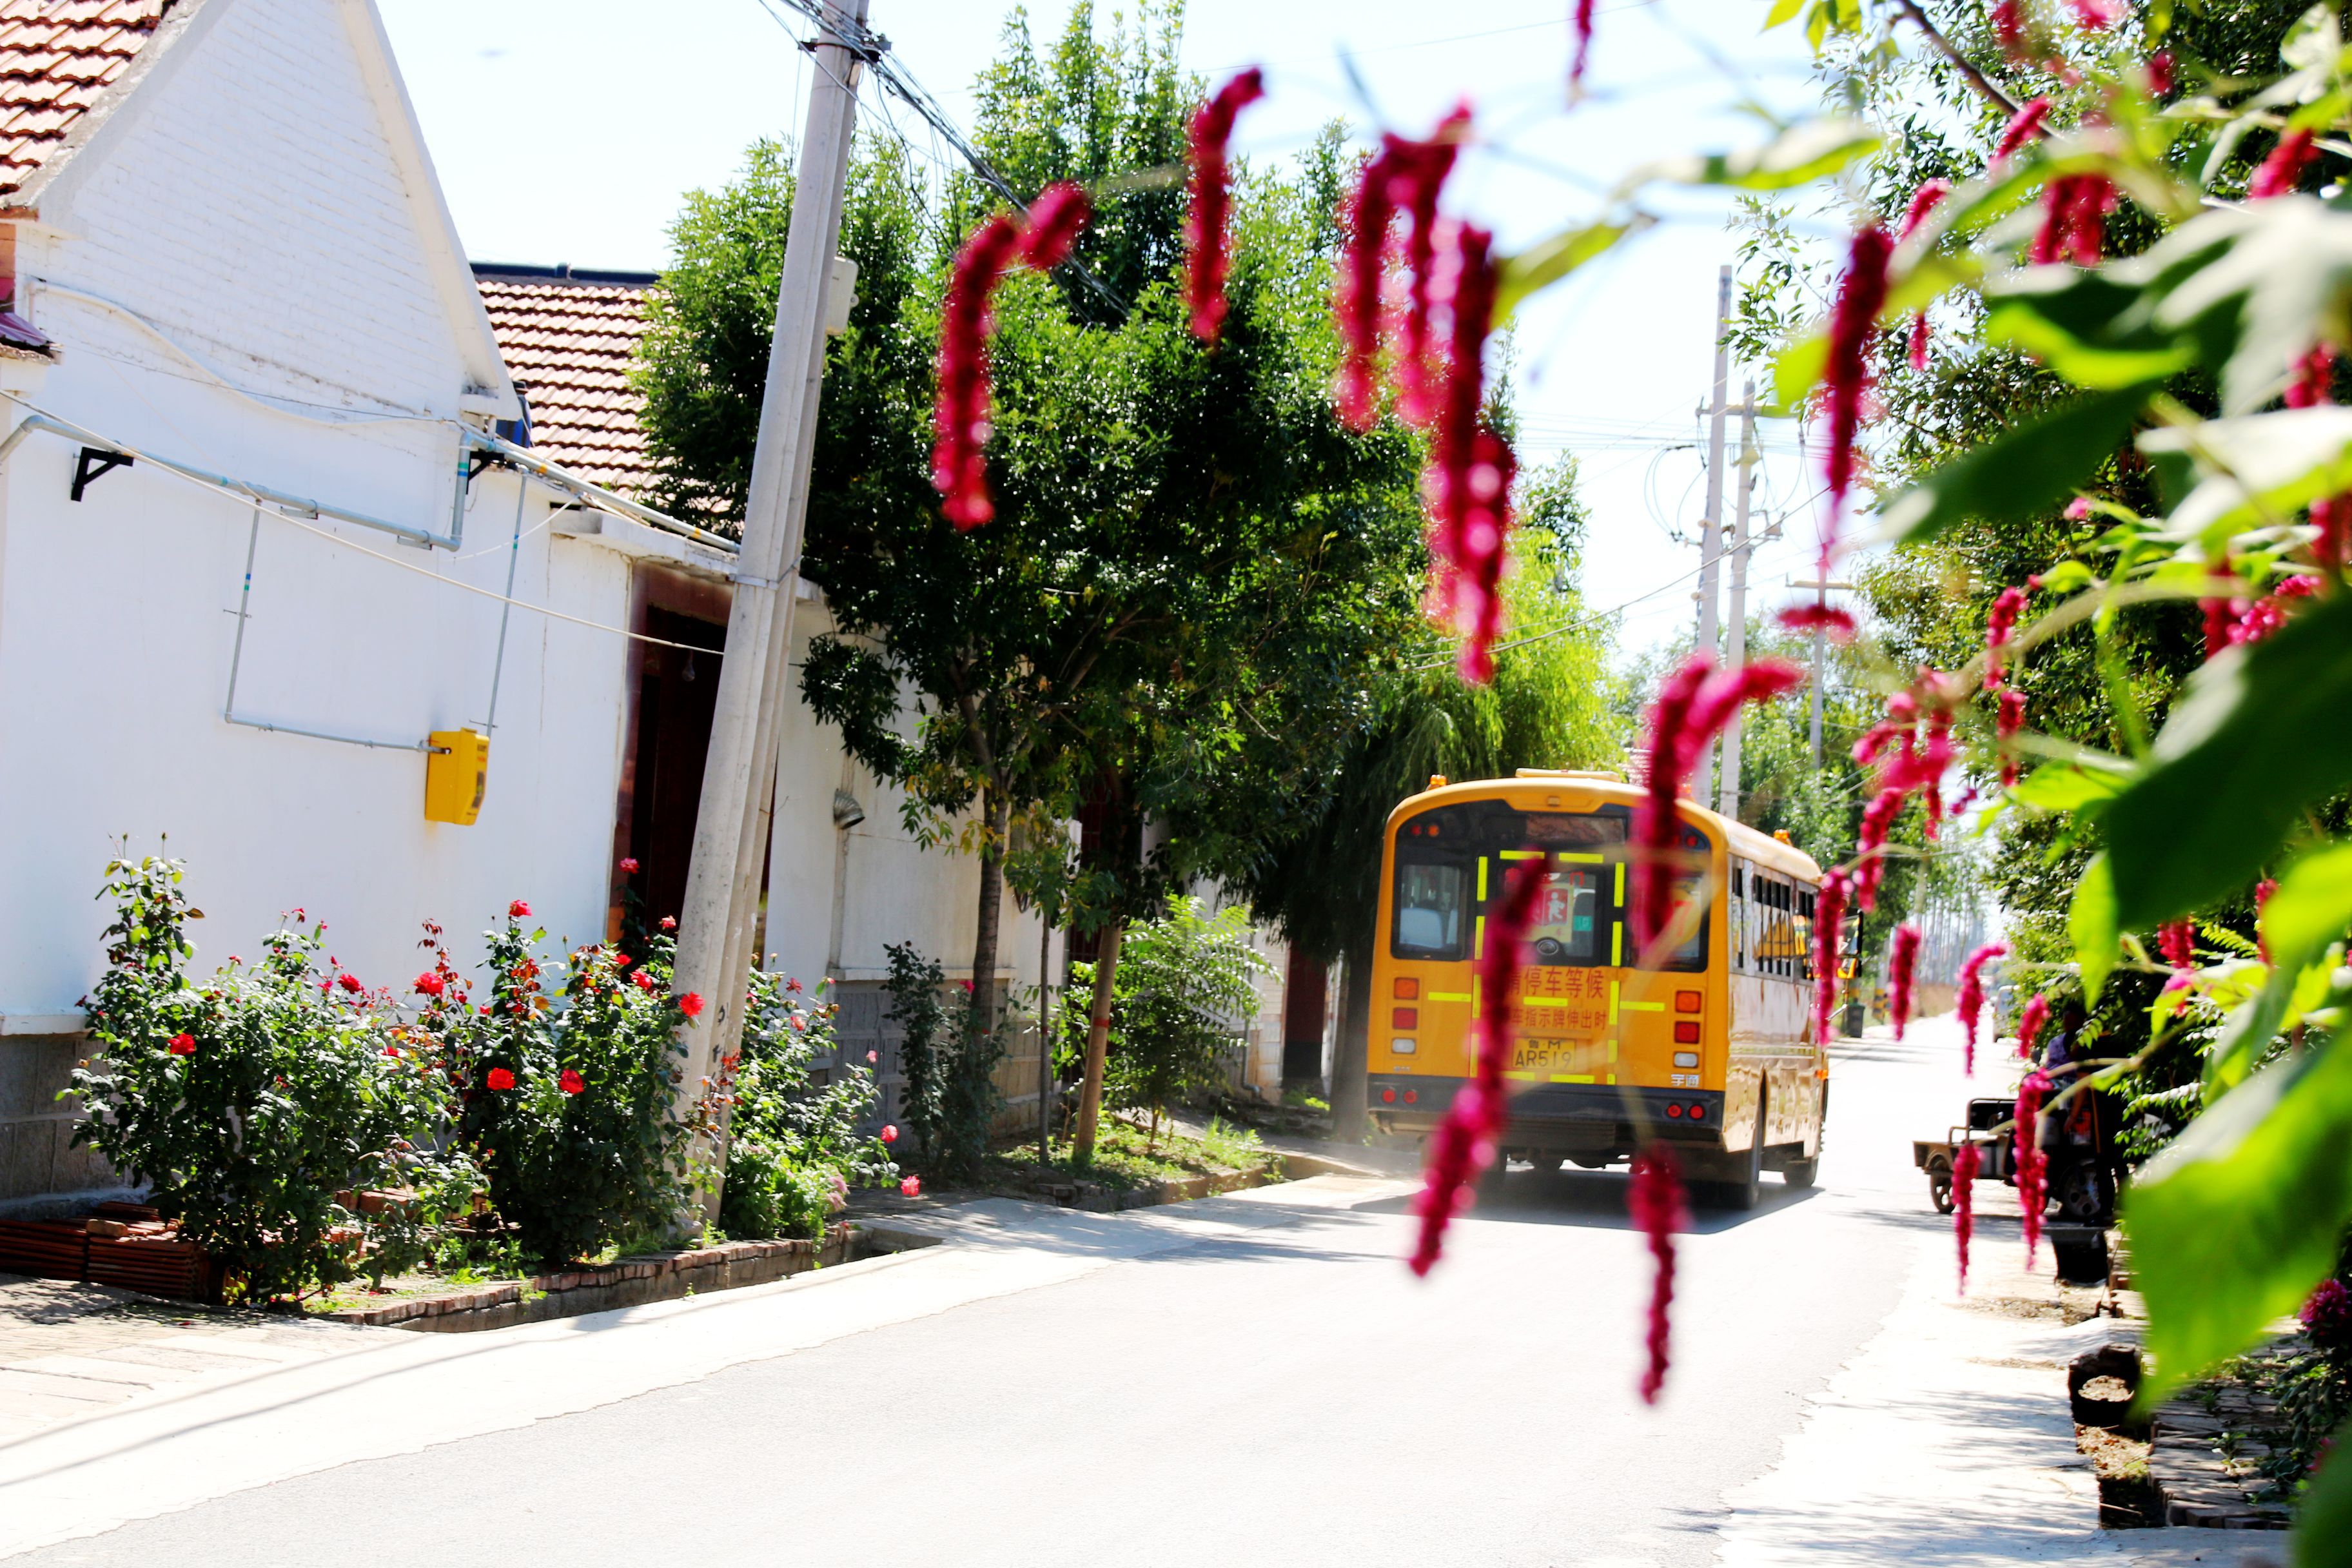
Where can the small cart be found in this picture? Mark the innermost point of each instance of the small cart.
(1995, 1151)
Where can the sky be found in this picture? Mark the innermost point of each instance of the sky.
(569, 130)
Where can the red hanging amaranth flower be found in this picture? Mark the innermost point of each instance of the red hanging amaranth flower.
(2096, 15)
(2032, 1165)
(2262, 891)
(2159, 73)
(1465, 1144)
(1925, 200)
(182, 1045)
(1965, 1159)
(1856, 318)
(959, 416)
(1207, 241)
(1406, 176)
(571, 1082)
(1969, 1003)
(1581, 25)
(1654, 1199)
(2221, 617)
(2027, 123)
(1055, 219)
(1869, 864)
(2267, 614)
(2000, 630)
(1693, 706)
(2008, 28)
(2312, 379)
(499, 1079)
(2007, 722)
(1837, 624)
(2074, 210)
(1902, 957)
(1467, 485)
(1829, 950)
(431, 984)
(2282, 172)
(2177, 940)
(2029, 1024)
(1921, 334)
(690, 1005)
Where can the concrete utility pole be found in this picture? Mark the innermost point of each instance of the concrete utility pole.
(1736, 630)
(731, 829)
(1822, 591)
(1710, 537)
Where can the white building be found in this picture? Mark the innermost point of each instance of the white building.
(260, 538)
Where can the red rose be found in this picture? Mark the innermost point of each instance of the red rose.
(628, 866)
(349, 983)
(799, 1024)
(645, 980)
(889, 1134)
(692, 1003)
(912, 1186)
(791, 985)
(621, 961)
(392, 1051)
(572, 1082)
(669, 923)
(500, 1078)
(183, 1045)
(430, 983)
(518, 910)
(873, 1056)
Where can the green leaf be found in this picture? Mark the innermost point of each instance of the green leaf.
(2067, 786)
(2068, 577)
(1800, 369)
(2091, 925)
(2084, 363)
(2278, 267)
(2255, 470)
(2323, 1522)
(2234, 1223)
(2311, 908)
(1548, 261)
(1782, 11)
(1798, 156)
(2258, 735)
(2025, 472)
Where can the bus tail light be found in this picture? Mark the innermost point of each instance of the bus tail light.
(1413, 1097)
(1698, 1113)
(1686, 1001)
(1674, 1111)
(1404, 1018)
(1388, 1097)
(1401, 1047)
(1407, 988)
(1686, 1031)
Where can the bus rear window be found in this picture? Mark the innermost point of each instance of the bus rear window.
(1432, 903)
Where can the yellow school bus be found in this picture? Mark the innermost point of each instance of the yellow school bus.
(1711, 1049)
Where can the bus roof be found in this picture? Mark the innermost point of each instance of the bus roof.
(1614, 789)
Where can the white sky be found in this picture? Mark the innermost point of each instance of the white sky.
(567, 130)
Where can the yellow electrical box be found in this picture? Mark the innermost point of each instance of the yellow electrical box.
(456, 771)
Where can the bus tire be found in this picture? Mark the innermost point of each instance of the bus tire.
(1801, 1174)
(1746, 1193)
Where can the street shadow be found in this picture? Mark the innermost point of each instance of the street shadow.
(1595, 1200)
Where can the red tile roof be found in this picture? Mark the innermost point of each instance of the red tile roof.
(58, 58)
(568, 338)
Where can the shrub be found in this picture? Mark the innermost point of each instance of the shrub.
(793, 1148)
(950, 1065)
(1183, 986)
(570, 1114)
(258, 1105)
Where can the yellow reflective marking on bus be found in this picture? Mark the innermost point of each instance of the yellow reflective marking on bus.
(1523, 855)
(1621, 881)
(1449, 996)
(1616, 944)
(1645, 1007)
(1571, 1077)
(1577, 860)
(1612, 1003)
(1482, 879)
(1479, 938)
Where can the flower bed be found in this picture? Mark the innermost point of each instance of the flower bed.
(629, 1282)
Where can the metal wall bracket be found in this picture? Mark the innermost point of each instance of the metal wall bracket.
(95, 463)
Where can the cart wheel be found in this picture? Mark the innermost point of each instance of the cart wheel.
(1939, 1183)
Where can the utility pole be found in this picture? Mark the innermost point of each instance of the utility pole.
(1710, 538)
(1735, 617)
(1822, 591)
(731, 829)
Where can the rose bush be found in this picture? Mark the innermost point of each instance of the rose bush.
(793, 1148)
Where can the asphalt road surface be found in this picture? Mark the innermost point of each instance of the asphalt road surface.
(1271, 1389)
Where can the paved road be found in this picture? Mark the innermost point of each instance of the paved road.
(1248, 1380)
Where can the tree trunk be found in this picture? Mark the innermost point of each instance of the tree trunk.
(1082, 1145)
(993, 812)
(1348, 1055)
